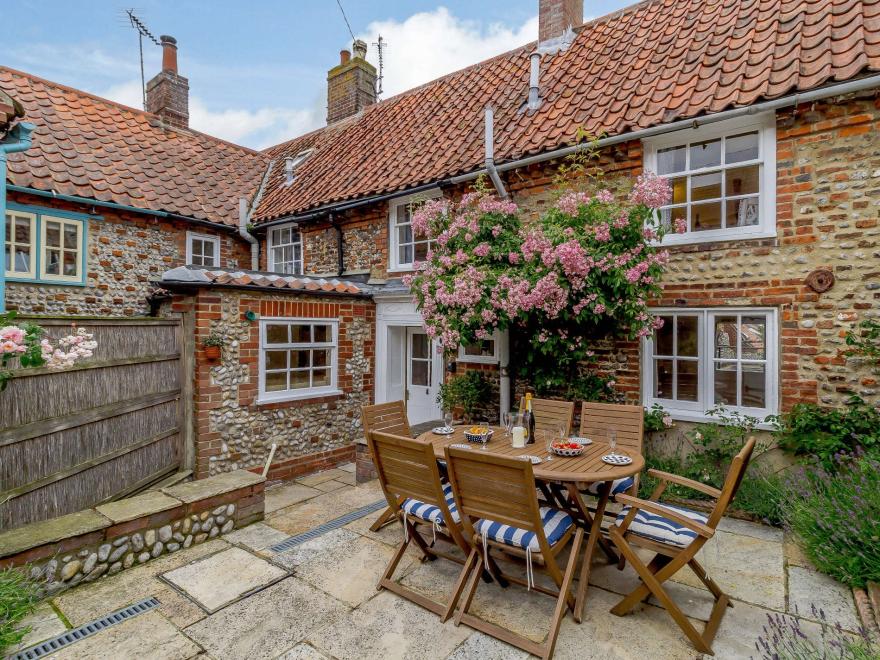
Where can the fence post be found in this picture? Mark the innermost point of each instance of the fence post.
(187, 374)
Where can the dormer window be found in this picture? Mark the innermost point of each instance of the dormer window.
(285, 250)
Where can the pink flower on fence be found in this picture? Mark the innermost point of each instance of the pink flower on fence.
(651, 190)
(605, 196)
(12, 333)
(603, 232)
(495, 205)
(482, 250)
(570, 203)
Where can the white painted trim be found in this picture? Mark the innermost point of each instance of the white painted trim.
(81, 250)
(766, 125)
(495, 358)
(208, 238)
(298, 395)
(395, 266)
(270, 254)
(11, 216)
(697, 411)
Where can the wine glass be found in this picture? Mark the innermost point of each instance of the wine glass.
(549, 438)
(505, 419)
(484, 426)
(612, 441)
(447, 420)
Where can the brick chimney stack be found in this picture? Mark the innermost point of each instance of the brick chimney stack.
(168, 92)
(351, 85)
(556, 16)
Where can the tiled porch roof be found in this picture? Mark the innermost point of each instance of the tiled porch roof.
(194, 276)
(652, 63)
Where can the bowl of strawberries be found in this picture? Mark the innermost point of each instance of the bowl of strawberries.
(567, 448)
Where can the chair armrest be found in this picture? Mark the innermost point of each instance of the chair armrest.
(684, 481)
(671, 514)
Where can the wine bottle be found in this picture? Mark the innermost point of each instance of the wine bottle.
(530, 425)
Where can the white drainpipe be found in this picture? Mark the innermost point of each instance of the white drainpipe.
(490, 153)
(243, 217)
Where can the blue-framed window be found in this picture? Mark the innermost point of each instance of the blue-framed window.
(45, 245)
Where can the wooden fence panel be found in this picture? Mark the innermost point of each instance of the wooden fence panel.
(75, 438)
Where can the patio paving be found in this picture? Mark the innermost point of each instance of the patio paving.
(236, 598)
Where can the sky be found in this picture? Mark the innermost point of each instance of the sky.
(257, 70)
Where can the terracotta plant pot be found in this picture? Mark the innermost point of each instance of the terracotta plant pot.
(212, 352)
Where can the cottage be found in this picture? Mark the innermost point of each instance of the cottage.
(764, 117)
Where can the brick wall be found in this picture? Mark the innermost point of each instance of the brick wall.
(126, 254)
(232, 429)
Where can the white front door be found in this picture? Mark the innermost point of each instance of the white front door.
(421, 388)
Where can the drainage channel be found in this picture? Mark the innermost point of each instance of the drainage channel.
(336, 523)
(86, 630)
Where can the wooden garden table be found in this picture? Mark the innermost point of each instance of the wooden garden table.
(559, 479)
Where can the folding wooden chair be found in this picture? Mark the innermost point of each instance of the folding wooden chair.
(389, 418)
(675, 534)
(498, 504)
(410, 479)
(597, 419)
(550, 413)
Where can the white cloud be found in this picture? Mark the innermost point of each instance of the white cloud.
(431, 44)
(261, 128)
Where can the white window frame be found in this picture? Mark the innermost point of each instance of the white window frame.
(44, 248)
(192, 236)
(310, 393)
(297, 263)
(483, 359)
(394, 263)
(11, 217)
(696, 411)
(765, 124)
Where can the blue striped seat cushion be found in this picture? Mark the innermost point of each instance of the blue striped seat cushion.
(429, 512)
(618, 486)
(664, 530)
(555, 523)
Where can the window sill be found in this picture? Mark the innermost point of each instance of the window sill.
(673, 240)
(45, 282)
(305, 396)
(702, 418)
(403, 269)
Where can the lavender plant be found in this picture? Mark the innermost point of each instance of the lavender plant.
(785, 639)
(835, 513)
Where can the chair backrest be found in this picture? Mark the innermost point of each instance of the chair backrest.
(495, 488)
(735, 474)
(549, 414)
(406, 467)
(386, 417)
(628, 420)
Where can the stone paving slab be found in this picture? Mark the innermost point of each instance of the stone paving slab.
(267, 623)
(390, 534)
(482, 647)
(44, 623)
(388, 628)
(200, 489)
(258, 536)
(329, 544)
(807, 589)
(316, 511)
(746, 528)
(349, 479)
(148, 635)
(350, 570)
(48, 531)
(303, 652)
(321, 477)
(347, 467)
(139, 506)
(216, 581)
(279, 497)
(329, 486)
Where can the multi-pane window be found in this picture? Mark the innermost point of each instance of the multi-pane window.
(20, 245)
(297, 358)
(202, 250)
(722, 181)
(285, 250)
(482, 351)
(62, 250)
(405, 247)
(700, 359)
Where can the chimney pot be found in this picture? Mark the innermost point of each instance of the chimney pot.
(360, 49)
(344, 56)
(557, 16)
(169, 53)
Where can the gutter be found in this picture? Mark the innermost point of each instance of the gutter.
(20, 138)
(171, 284)
(244, 217)
(121, 207)
(489, 136)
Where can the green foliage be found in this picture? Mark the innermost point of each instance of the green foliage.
(784, 639)
(835, 514)
(18, 598)
(470, 391)
(33, 354)
(867, 342)
(714, 445)
(214, 339)
(657, 419)
(811, 430)
(585, 385)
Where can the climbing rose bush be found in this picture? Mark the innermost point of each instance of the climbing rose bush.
(586, 269)
(25, 344)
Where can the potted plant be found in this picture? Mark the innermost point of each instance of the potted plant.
(464, 395)
(212, 344)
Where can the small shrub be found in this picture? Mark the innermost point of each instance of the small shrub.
(811, 430)
(867, 342)
(657, 419)
(18, 598)
(470, 391)
(784, 639)
(835, 513)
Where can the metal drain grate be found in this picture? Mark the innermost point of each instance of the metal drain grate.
(85, 630)
(315, 532)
